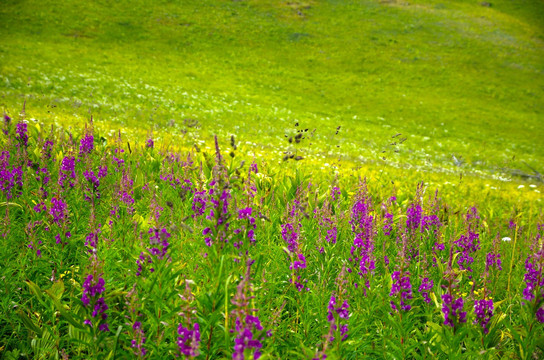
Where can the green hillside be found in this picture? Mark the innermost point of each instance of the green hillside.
(455, 78)
(272, 179)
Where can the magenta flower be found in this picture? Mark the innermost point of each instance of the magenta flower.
(534, 266)
(47, 148)
(159, 242)
(199, 203)
(10, 179)
(150, 144)
(67, 173)
(86, 144)
(483, 309)
(21, 134)
(58, 211)
(189, 340)
(402, 288)
(248, 329)
(92, 192)
(7, 123)
(362, 224)
(93, 289)
(424, 288)
(338, 315)
(453, 310)
(468, 245)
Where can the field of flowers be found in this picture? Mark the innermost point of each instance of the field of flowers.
(113, 249)
(271, 179)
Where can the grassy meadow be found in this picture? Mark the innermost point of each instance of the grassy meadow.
(271, 179)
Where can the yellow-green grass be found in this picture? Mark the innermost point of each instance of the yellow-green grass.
(454, 78)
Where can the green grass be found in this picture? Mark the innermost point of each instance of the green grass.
(43, 282)
(453, 77)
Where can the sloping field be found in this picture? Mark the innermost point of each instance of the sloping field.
(373, 188)
(455, 78)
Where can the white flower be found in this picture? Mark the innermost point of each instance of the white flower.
(521, 186)
(506, 238)
(532, 186)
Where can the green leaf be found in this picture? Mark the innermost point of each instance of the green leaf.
(2, 204)
(62, 310)
(57, 289)
(29, 324)
(111, 355)
(35, 289)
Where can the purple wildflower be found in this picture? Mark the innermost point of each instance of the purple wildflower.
(246, 228)
(58, 211)
(138, 340)
(534, 278)
(483, 309)
(468, 245)
(217, 202)
(91, 240)
(328, 218)
(387, 224)
(331, 235)
(47, 148)
(92, 298)
(300, 263)
(362, 224)
(453, 310)
(335, 193)
(67, 173)
(188, 340)
(159, 242)
(403, 287)
(493, 260)
(248, 328)
(253, 167)
(126, 192)
(150, 144)
(39, 207)
(142, 260)
(337, 314)
(102, 171)
(413, 217)
(425, 287)
(199, 203)
(7, 122)
(86, 144)
(540, 315)
(21, 134)
(43, 178)
(290, 235)
(10, 179)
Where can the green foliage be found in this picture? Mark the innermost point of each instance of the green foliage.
(454, 78)
(153, 194)
(422, 95)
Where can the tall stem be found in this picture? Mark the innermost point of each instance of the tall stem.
(512, 261)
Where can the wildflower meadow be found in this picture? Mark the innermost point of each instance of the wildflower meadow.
(271, 179)
(116, 250)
